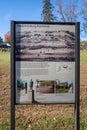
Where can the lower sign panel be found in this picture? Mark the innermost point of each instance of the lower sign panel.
(49, 82)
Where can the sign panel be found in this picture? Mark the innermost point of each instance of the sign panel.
(45, 62)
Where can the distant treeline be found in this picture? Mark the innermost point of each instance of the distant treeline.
(83, 45)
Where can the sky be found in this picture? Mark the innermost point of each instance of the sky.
(23, 10)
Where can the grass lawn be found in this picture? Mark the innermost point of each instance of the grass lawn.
(83, 56)
(5, 57)
(4, 61)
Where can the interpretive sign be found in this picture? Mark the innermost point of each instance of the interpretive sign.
(45, 62)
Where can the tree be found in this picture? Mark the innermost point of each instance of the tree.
(84, 16)
(7, 37)
(1, 40)
(67, 12)
(47, 12)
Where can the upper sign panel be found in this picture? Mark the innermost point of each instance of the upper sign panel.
(45, 42)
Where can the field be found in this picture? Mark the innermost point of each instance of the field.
(41, 117)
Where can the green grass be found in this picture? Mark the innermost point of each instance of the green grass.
(4, 61)
(22, 125)
(62, 90)
(83, 124)
(49, 123)
(5, 125)
(53, 124)
(83, 56)
(5, 57)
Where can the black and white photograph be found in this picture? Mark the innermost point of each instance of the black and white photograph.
(45, 43)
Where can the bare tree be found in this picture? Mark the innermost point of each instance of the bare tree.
(84, 15)
(67, 12)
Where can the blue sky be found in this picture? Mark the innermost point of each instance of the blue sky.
(25, 10)
(29, 10)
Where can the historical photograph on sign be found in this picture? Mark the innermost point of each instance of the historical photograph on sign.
(45, 86)
(54, 86)
(21, 86)
(46, 44)
(45, 63)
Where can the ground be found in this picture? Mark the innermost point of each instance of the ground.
(41, 117)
